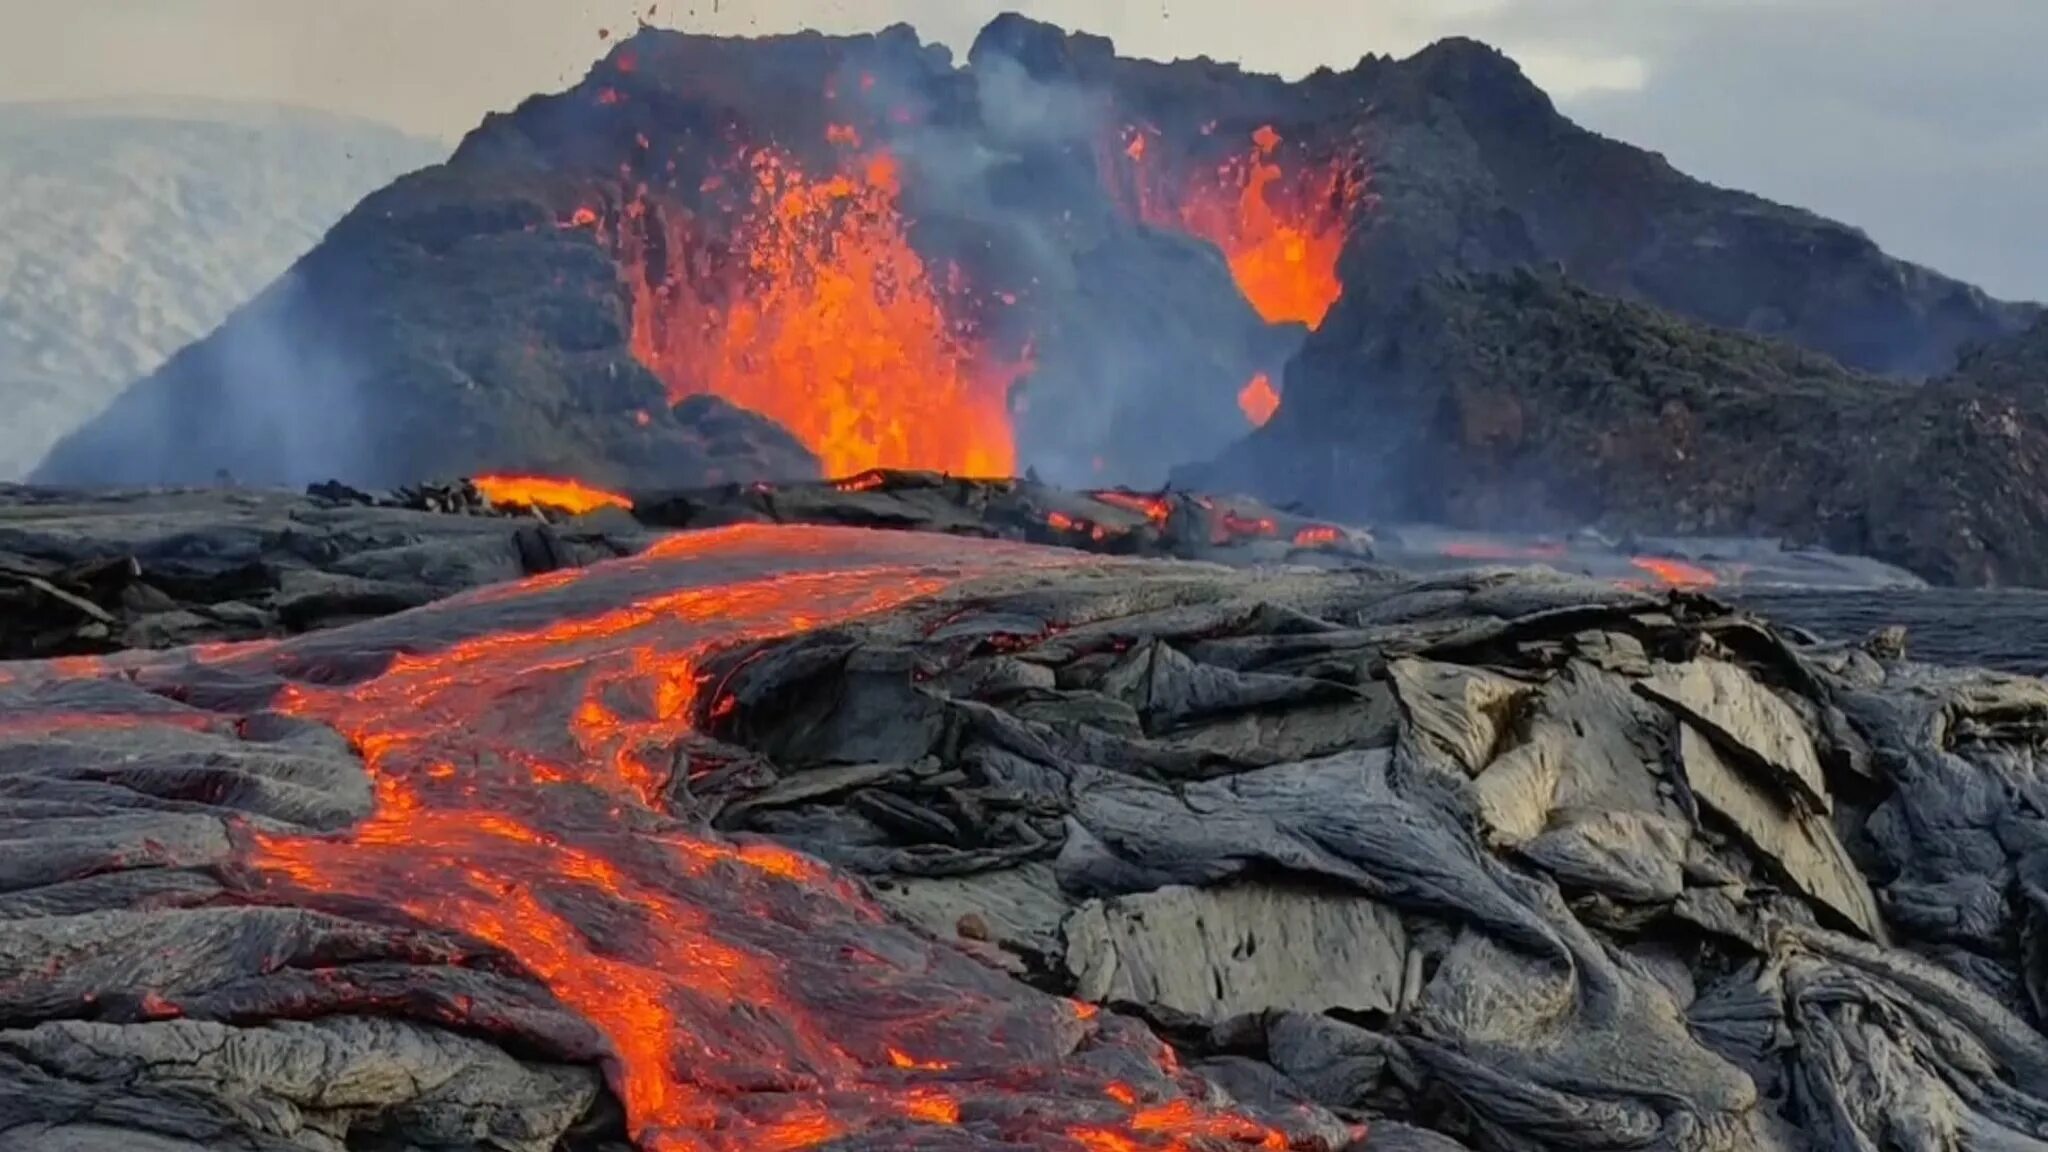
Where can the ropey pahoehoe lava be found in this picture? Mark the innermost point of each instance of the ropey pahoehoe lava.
(529, 794)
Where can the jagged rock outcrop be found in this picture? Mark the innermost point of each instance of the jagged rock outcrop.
(1522, 400)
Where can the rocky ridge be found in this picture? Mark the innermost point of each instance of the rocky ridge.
(1523, 399)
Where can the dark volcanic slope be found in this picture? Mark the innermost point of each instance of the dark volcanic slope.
(806, 838)
(504, 310)
(1521, 400)
(1472, 165)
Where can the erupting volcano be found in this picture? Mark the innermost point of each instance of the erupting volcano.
(1282, 231)
(828, 322)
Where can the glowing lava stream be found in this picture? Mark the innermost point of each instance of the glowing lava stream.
(753, 999)
(572, 496)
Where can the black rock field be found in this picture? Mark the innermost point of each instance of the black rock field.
(866, 816)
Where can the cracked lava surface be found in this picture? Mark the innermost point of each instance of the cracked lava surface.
(520, 742)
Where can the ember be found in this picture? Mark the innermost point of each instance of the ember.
(487, 826)
(831, 325)
(1258, 401)
(1281, 231)
(569, 496)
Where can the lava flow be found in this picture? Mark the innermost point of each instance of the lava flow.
(571, 496)
(1281, 232)
(830, 324)
(751, 998)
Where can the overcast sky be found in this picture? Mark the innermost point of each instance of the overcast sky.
(1920, 122)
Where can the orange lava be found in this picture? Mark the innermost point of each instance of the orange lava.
(1155, 507)
(522, 779)
(570, 496)
(1675, 573)
(1282, 232)
(827, 322)
(1258, 401)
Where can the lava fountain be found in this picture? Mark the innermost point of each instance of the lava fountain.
(829, 322)
(752, 999)
(1282, 232)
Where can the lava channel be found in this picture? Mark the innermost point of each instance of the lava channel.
(520, 748)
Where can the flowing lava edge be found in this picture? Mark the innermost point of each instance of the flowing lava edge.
(567, 860)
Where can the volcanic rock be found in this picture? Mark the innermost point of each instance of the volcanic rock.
(851, 816)
(1105, 239)
(95, 572)
(99, 572)
(1472, 167)
(1522, 400)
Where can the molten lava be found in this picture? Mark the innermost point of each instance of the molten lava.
(1675, 573)
(571, 496)
(1281, 231)
(750, 997)
(1258, 401)
(828, 323)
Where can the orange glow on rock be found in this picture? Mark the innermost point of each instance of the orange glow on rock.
(1675, 573)
(1282, 232)
(1258, 401)
(570, 496)
(827, 322)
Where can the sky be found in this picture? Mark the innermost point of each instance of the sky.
(1919, 122)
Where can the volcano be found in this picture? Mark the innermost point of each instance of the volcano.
(746, 759)
(726, 260)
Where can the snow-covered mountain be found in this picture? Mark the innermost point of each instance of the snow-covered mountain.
(129, 229)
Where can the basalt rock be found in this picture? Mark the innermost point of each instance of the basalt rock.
(1522, 400)
(95, 572)
(1484, 860)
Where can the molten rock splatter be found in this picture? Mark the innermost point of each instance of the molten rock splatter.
(1281, 231)
(829, 323)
